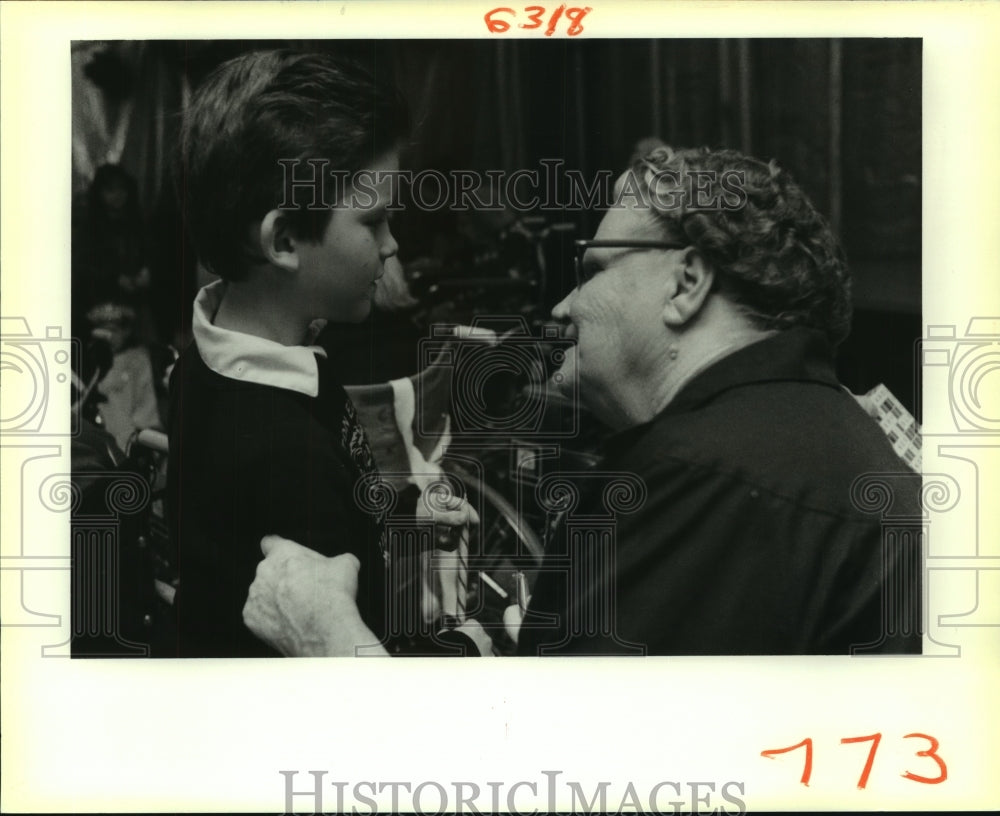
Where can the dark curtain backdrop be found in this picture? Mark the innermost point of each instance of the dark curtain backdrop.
(844, 116)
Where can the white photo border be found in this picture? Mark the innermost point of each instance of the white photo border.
(154, 736)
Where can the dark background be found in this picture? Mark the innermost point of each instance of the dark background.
(844, 116)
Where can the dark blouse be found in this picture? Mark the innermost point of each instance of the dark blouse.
(742, 536)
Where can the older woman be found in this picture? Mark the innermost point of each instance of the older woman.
(705, 315)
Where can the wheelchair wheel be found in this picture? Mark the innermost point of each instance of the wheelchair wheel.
(504, 555)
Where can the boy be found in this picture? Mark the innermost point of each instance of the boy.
(263, 438)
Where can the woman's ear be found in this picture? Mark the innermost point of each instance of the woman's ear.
(690, 281)
(277, 243)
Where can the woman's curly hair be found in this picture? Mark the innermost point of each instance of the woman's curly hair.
(773, 253)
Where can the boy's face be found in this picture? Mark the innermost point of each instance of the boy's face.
(337, 274)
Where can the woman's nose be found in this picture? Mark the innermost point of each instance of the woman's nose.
(561, 310)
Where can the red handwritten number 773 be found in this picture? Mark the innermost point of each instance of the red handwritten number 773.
(875, 739)
(930, 753)
(808, 769)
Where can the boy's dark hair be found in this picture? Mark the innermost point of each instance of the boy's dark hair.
(263, 107)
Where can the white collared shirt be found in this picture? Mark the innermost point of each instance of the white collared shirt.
(248, 358)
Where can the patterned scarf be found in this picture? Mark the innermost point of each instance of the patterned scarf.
(354, 440)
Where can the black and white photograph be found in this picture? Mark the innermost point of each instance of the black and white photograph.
(313, 263)
(610, 361)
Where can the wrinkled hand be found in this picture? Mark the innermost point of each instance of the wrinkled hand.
(304, 604)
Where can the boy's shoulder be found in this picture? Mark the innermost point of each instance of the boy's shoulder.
(242, 427)
(202, 396)
(192, 372)
(192, 375)
(295, 370)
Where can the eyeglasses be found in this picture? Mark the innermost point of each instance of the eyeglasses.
(583, 274)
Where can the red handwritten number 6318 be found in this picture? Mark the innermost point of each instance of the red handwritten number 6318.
(866, 771)
(535, 19)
